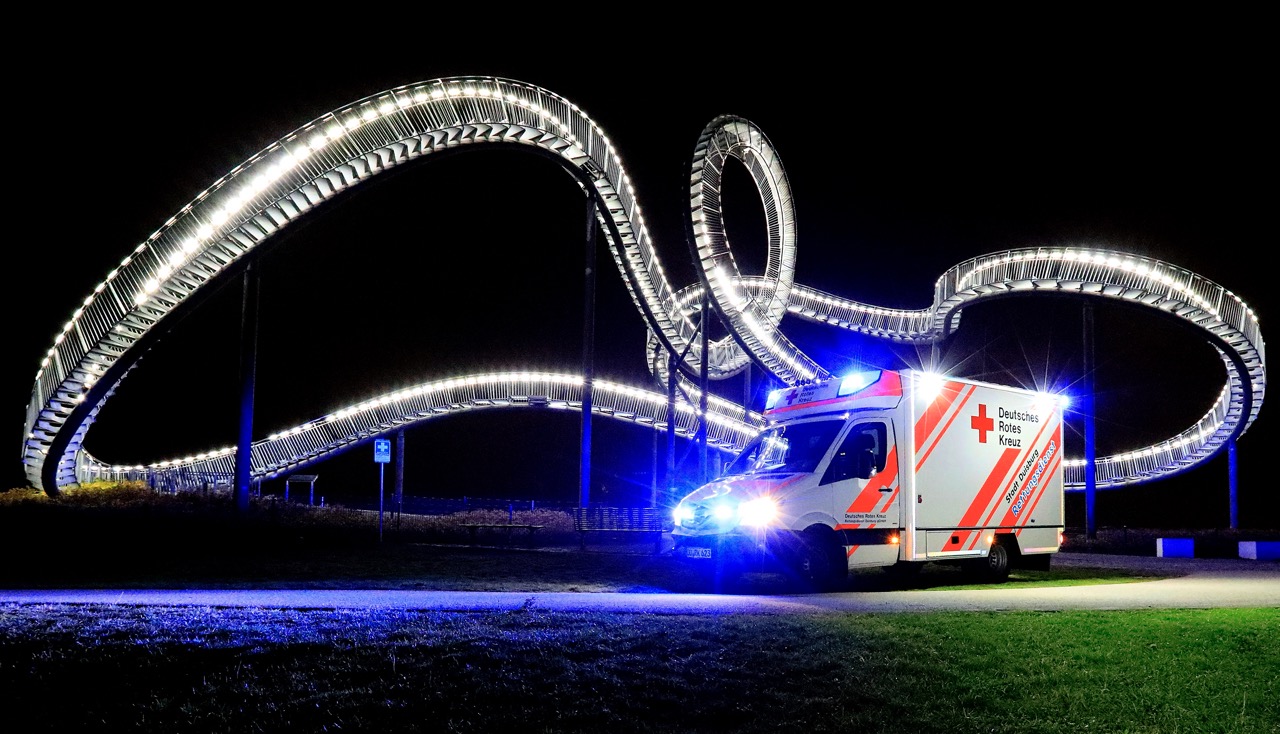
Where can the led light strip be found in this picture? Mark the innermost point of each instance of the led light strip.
(289, 450)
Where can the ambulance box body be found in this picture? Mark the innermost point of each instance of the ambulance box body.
(887, 469)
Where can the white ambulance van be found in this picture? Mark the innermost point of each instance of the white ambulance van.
(888, 469)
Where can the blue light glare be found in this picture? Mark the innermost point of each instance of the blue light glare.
(774, 396)
(682, 513)
(856, 381)
(1046, 402)
(758, 512)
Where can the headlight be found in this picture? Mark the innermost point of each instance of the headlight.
(682, 513)
(757, 512)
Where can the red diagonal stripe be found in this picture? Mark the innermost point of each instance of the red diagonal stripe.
(1031, 445)
(1026, 515)
(892, 496)
(995, 480)
(933, 415)
(1034, 498)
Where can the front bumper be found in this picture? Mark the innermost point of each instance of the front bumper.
(757, 550)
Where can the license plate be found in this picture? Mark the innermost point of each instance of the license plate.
(694, 551)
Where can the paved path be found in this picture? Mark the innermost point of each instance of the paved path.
(1200, 584)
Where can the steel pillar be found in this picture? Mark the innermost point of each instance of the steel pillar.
(1232, 478)
(588, 352)
(248, 368)
(1090, 430)
(399, 490)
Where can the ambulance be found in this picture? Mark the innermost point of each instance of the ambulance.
(888, 469)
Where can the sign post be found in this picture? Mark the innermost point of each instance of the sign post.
(381, 455)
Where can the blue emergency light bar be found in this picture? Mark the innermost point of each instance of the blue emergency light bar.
(849, 384)
(774, 396)
(857, 381)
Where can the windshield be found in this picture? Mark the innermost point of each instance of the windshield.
(787, 448)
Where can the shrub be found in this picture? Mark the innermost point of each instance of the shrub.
(21, 496)
(130, 515)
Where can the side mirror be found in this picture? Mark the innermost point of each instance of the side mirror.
(864, 464)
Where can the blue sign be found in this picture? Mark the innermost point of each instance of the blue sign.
(382, 450)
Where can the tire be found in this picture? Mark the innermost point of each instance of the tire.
(821, 564)
(995, 567)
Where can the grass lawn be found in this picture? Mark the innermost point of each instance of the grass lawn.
(193, 669)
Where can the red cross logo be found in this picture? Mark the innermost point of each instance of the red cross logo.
(981, 423)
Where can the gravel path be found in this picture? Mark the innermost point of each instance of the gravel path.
(1193, 583)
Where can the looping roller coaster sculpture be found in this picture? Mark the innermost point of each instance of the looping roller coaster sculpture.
(216, 234)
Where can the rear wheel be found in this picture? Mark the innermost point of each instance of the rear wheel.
(995, 567)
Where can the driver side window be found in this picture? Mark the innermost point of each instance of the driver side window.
(861, 455)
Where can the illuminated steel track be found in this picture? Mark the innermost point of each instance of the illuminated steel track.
(288, 451)
(219, 232)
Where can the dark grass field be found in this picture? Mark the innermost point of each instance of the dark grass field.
(107, 668)
(86, 668)
(129, 536)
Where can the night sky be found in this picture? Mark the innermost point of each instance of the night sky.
(901, 165)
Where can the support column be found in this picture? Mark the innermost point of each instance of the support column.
(653, 473)
(669, 473)
(248, 368)
(1090, 430)
(588, 352)
(399, 490)
(703, 387)
(1232, 477)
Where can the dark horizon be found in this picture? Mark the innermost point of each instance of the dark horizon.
(474, 262)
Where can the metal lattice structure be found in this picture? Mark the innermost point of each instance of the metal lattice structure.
(1225, 321)
(221, 229)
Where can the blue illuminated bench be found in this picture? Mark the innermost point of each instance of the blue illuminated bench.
(1175, 547)
(647, 520)
(474, 529)
(1260, 550)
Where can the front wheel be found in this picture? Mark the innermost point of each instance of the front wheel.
(822, 564)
